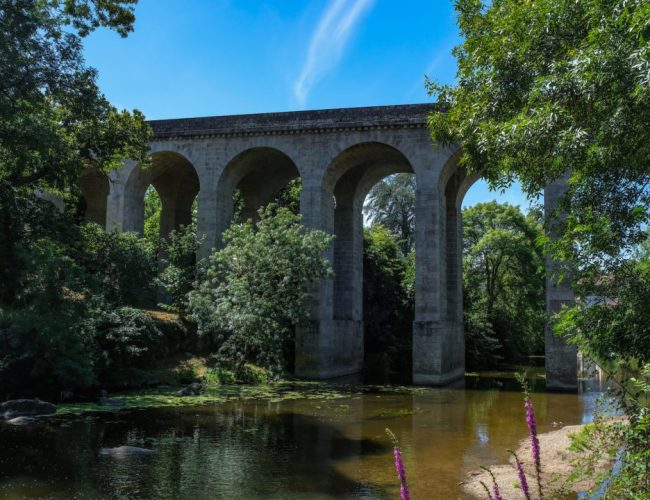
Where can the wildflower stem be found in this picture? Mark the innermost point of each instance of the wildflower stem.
(399, 467)
(523, 482)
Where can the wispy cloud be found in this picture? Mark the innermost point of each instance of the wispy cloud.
(439, 61)
(328, 42)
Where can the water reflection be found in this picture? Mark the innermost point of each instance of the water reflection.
(299, 448)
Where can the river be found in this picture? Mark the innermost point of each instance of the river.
(316, 441)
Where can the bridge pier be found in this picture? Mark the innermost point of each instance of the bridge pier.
(561, 359)
(438, 335)
(329, 348)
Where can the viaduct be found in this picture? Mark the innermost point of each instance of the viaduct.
(339, 154)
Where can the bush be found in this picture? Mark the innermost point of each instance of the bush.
(177, 278)
(225, 373)
(64, 328)
(254, 292)
(254, 375)
(43, 338)
(124, 338)
(121, 266)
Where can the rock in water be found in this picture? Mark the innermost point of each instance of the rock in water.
(125, 451)
(191, 390)
(21, 421)
(111, 402)
(26, 408)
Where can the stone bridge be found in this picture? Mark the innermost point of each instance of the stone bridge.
(339, 154)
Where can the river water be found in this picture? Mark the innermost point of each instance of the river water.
(318, 442)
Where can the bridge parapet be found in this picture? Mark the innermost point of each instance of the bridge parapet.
(293, 122)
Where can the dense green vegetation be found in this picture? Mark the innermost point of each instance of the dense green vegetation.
(545, 89)
(391, 204)
(71, 311)
(387, 304)
(504, 284)
(552, 88)
(251, 295)
(63, 286)
(55, 121)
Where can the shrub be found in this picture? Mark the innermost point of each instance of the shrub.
(177, 278)
(124, 338)
(42, 336)
(122, 266)
(254, 292)
(254, 375)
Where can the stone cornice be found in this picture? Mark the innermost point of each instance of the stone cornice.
(295, 122)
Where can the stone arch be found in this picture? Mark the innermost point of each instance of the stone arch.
(177, 183)
(346, 182)
(95, 187)
(259, 173)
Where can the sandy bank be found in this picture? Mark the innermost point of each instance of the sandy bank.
(556, 466)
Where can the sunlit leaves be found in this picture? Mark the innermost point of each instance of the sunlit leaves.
(254, 292)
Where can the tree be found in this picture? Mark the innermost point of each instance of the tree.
(391, 203)
(388, 308)
(253, 293)
(556, 86)
(55, 121)
(289, 196)
(152, 211)
(503, 275)
(120, 267)
(43, 341)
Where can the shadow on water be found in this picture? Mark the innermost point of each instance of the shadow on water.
(225, 451)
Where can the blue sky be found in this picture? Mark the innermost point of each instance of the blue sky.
(217, 57)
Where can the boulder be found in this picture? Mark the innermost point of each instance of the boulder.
(26, 408)
(191, 390)
(21, 421)
(104, 400)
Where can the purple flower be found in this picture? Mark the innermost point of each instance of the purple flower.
(534, 441)
(399, 467)
(401, 474)
(523, 482)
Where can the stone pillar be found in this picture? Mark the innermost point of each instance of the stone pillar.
(348, 258)
(326, 347)
(438, 344)
(561, 358)
(206, 220)
(115, 216)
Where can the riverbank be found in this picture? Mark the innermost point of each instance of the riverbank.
(557, 465)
